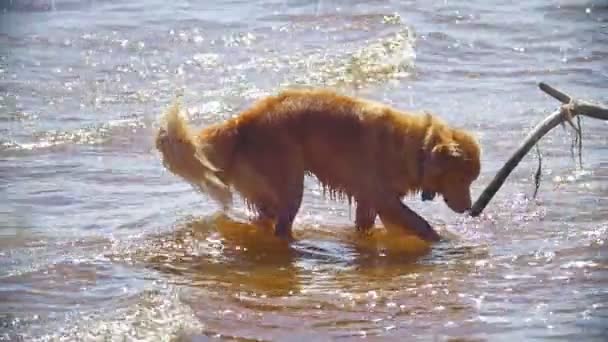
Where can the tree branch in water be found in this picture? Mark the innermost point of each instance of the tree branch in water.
(569, 109)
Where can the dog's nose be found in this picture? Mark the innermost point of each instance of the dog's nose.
(428, 195)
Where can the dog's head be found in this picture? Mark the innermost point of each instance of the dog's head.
(451, 165)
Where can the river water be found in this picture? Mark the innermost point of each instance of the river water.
(99, 242)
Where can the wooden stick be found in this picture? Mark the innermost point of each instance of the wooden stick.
(569, 109)
(561, 97)
(582, 107)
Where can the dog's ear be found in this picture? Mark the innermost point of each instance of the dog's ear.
(448, 150)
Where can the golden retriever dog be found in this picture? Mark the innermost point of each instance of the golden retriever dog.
(361, 149)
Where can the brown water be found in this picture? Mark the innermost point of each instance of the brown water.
(99, 242)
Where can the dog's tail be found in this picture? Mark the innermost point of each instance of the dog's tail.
(183, 155)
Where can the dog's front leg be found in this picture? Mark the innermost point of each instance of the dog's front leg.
(394, 212)
(285, 221)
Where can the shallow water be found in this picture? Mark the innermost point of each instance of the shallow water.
(97, 241)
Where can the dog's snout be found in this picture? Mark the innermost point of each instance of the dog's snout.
(456, 206)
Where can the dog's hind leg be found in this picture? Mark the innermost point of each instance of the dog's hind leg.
(273, 182)
(394, 213)
(365, 216)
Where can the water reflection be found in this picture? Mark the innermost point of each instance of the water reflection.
(344, 283)
(228, 255)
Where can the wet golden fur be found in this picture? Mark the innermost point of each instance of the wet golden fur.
(370, 152)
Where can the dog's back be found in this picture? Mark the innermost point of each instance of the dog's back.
(349, 144)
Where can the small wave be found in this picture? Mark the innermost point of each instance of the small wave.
(573, 176)
(164, 314)
(380, 61)
(41, 5)
(17, 115)
(579, 264)
(83, 136)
